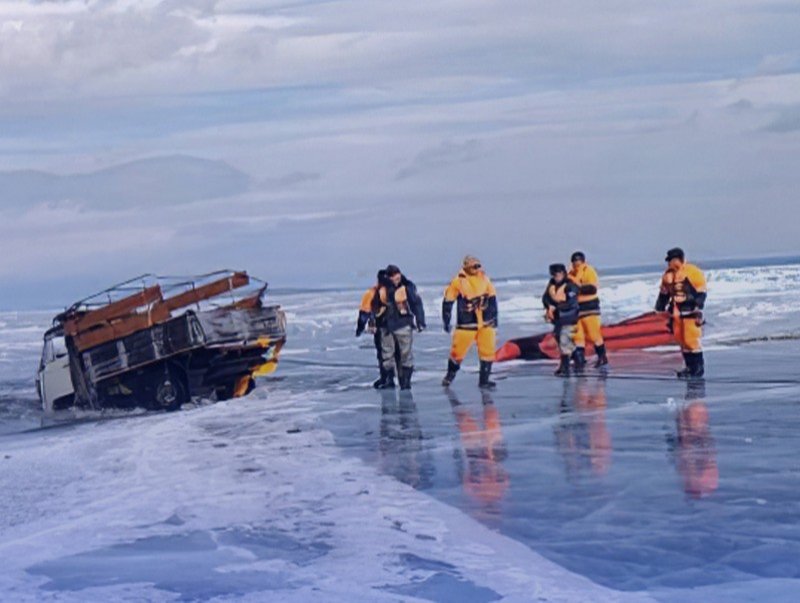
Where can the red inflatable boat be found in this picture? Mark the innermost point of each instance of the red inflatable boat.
(645, 331)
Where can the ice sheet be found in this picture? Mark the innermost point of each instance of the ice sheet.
(249, 499)
(661, 493)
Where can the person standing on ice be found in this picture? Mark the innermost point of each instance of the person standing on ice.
(589, 326)
(476, 320)
(683, 294)
(560, 301)
(400, 307)
(371, 319)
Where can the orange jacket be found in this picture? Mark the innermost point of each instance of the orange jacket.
(683, 290)
(588, 284)
(476, 301)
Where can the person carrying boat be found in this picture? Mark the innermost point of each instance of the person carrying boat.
(560, 301)
(368, 321)
(400, 308)
(589, 325)
(683, 294)
(475, 299)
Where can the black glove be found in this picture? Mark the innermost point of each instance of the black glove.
(421, 328)
(447, 327)
(699, 319)
(359, 331)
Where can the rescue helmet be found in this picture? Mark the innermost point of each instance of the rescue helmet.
(556, 268)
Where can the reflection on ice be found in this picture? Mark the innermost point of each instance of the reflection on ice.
(693, 445)
(403, 453)
(482, 450)
(582, 435)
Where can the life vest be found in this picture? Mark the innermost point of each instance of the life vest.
(557, 293)
(556, 297)
(398, 302)
(686, 288)
(476, 299)
(367, 299)
(588, 284)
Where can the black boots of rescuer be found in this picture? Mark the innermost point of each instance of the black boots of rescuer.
(602, 358)
(486, 371)
(405, 377)
(452, 369)
(695, 366)
(563, 368)
(387, 380)
(484, 381)
(380, 382)
(579, 358)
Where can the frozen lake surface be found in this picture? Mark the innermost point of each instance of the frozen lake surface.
(627, 487)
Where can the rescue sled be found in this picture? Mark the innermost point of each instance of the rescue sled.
(645, 331)
(157, 342)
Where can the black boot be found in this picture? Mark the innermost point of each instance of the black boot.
(686, 371)
(579, 358)
(381, 381)
(405, 377)
(486, 371)
(602, 358)
(563, 368)
(452, 369)
(698, 366)
(389, 382)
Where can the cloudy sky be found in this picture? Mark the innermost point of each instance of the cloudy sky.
(311, 141)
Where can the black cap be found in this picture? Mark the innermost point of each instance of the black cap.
(556, 268)
(578, 256)
(675, 253)
(391, 270)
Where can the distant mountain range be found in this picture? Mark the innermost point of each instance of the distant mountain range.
(173, 179)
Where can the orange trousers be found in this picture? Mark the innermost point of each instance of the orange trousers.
(588, 327)
(463, 339)
(687, 333)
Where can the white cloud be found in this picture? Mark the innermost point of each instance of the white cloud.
(325, 104)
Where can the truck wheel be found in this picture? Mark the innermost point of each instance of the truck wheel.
(171, 392)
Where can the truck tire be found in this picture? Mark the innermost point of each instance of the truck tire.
(171, 391)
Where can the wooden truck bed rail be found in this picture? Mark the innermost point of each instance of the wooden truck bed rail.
(143, 310)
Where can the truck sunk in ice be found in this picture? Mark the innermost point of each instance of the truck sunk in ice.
(157, 342)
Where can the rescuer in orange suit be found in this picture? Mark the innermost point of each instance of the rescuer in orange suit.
(683, 294)
(475, 299)
(589, 325)
(369, 320)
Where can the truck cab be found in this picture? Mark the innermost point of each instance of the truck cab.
(53, 380)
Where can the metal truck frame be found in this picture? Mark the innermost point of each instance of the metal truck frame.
(157, 342)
